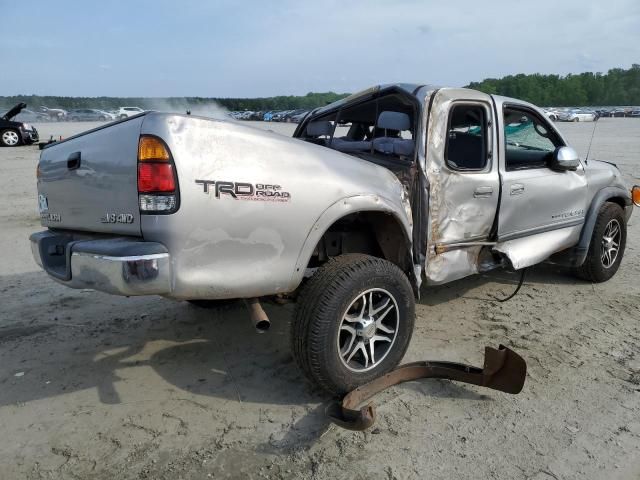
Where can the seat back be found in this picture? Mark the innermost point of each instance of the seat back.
(395, 122)
(464, 150)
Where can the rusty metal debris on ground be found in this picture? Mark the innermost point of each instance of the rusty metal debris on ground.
(504, 370)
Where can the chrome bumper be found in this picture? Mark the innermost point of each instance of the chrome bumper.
(119, 266)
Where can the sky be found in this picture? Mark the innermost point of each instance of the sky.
(253, 48)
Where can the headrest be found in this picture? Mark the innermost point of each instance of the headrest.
(394, 121)
(315, 129)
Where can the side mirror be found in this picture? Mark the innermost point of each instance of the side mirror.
(564, 158)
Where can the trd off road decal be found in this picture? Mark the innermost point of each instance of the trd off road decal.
(261, 192)
(570, 214)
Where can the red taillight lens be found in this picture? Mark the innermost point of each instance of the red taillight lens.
(155, 178)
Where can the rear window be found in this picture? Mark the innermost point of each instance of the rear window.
(466, 147)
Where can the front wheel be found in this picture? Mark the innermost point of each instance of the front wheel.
(607, 245)
(9, 138)
(353, 322)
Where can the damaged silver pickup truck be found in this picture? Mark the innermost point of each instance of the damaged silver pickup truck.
(376, 194)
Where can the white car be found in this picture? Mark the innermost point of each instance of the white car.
(126, 112)
(581, 116)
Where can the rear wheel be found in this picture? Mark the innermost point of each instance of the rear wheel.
(607, 245)
(9, 138)
(353, 322)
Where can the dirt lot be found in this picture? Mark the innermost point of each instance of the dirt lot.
(102, 387)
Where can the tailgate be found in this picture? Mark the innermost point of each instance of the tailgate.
(89, 182)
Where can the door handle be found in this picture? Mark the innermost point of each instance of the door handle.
(517, 189)
(483, 192)
(73, 162)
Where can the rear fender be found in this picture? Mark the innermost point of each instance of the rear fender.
(340, 209)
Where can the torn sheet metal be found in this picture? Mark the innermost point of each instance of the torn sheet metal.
(456, 213)
(452, 265)
(531, 250)
(504, 370)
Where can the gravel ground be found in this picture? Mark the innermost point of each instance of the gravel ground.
(101, 387)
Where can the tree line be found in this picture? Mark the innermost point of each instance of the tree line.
(617, 87)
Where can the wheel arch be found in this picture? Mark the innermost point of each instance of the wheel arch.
(391, 225)
(617, 195)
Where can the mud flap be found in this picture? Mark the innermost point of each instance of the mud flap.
(504, 370)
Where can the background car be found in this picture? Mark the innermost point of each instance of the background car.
(126, 112)
(580, 116)
(88, 114)
(53, 114)
(299, 117)
(14, 132)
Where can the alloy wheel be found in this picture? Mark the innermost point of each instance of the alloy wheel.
(610, 243)
(368, 330)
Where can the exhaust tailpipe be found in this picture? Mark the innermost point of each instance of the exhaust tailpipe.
(258, 317)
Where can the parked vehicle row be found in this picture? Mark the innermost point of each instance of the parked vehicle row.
(46, 114)
(288, 116)
(573, 114)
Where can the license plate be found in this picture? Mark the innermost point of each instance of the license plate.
(43, 203)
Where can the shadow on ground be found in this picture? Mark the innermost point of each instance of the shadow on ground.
(503, 283)
(210, 352)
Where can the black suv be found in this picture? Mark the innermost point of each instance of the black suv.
(13, 133)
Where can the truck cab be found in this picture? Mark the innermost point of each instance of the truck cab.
(500, 184)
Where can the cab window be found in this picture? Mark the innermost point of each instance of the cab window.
(466, 147)
(529, 142)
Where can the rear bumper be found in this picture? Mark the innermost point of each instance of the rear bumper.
(120, 266)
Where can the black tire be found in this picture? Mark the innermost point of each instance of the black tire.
(321, 307)
(594, 268)
(10, 138)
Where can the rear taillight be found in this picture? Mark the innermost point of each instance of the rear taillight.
(157, 182)
(155, 178)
